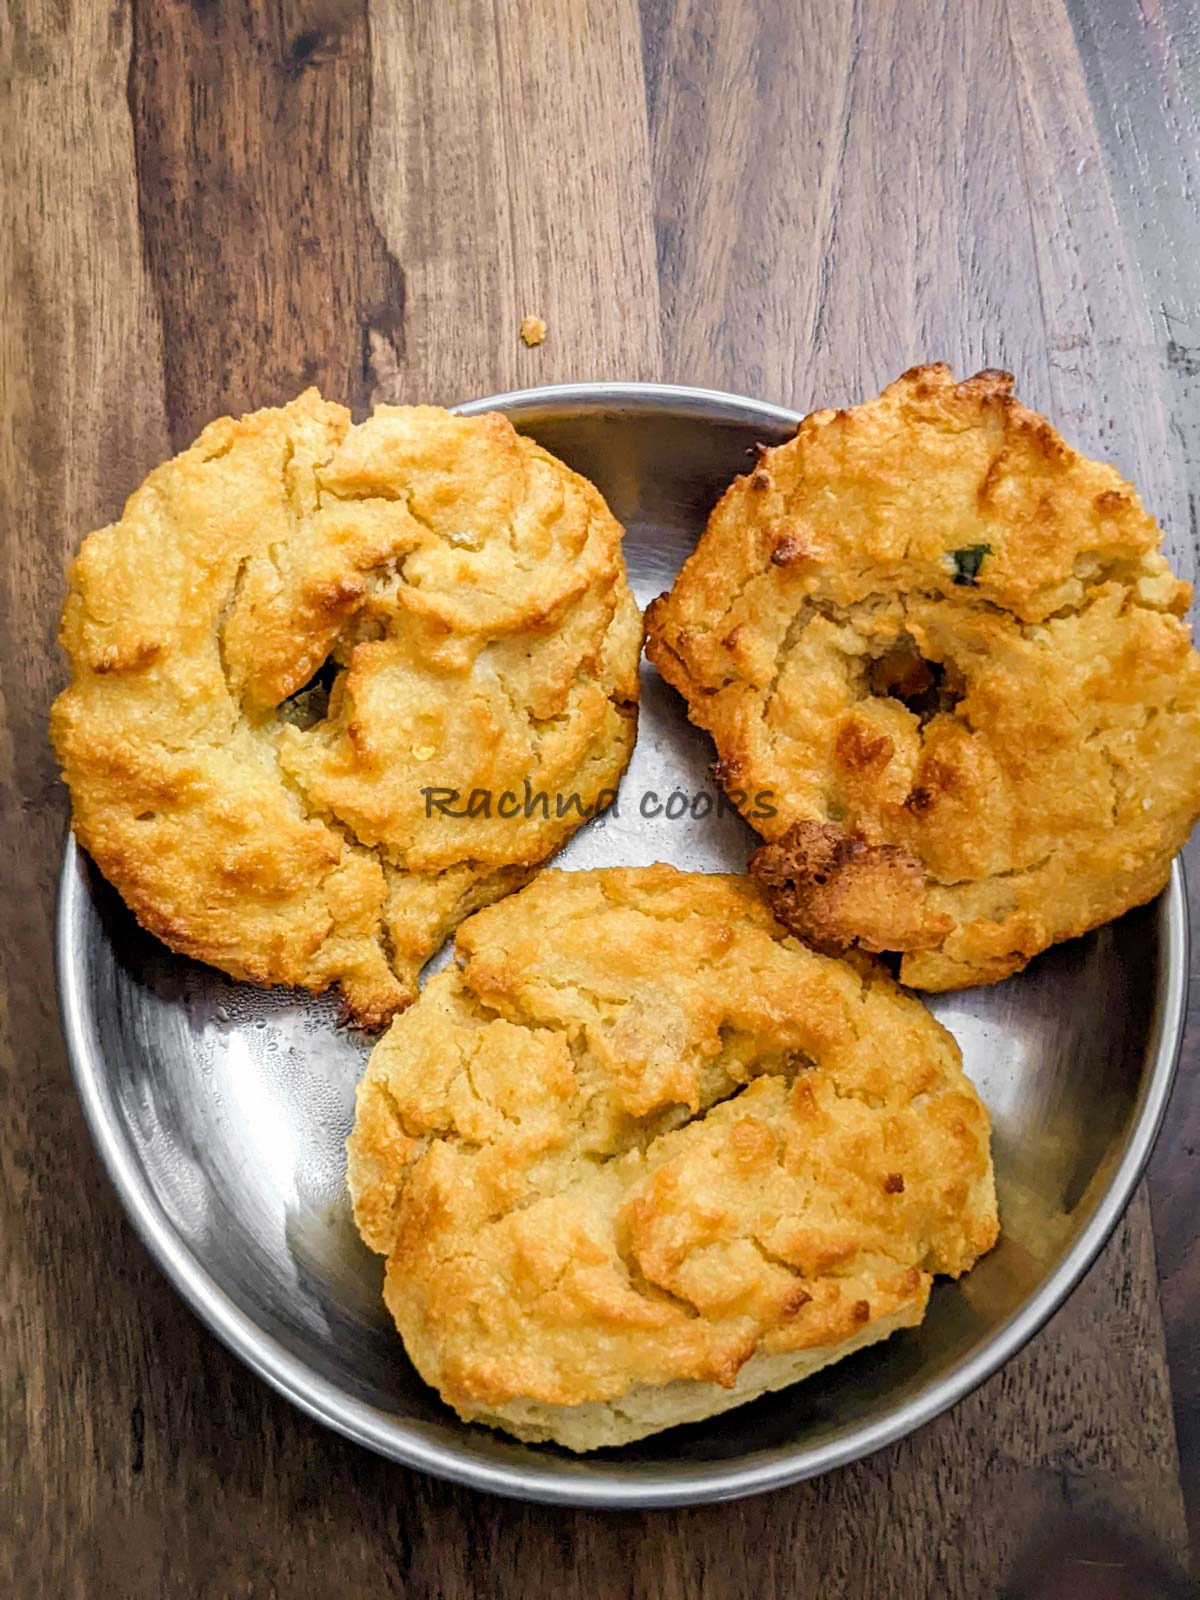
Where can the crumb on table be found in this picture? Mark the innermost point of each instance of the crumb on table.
(533, 330)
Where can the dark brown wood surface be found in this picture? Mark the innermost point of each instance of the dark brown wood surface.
(209, 205)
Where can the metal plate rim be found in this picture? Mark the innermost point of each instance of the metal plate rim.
(325, 1403)
(717, 403)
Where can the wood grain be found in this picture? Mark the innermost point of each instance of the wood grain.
(215, 204)
(510, 173)
(1142, 65)
(251, 130)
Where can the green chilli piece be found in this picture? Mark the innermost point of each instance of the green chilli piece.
(968, 561)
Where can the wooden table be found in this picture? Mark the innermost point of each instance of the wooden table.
(213, 204)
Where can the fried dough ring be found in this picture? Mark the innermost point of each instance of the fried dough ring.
(642, 1157)
(950, 648)
(467, 594)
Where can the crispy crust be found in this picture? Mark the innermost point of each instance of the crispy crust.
(836, 891)
(643, 1156)
(950, 648)
(467, 593)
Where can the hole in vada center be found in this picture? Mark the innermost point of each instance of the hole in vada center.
(927, 688)
(310, 704)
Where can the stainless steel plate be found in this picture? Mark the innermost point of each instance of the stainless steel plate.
(220, 1110)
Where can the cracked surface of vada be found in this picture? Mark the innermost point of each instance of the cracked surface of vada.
(950, 647)
(642, 1156)
(296, 627)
